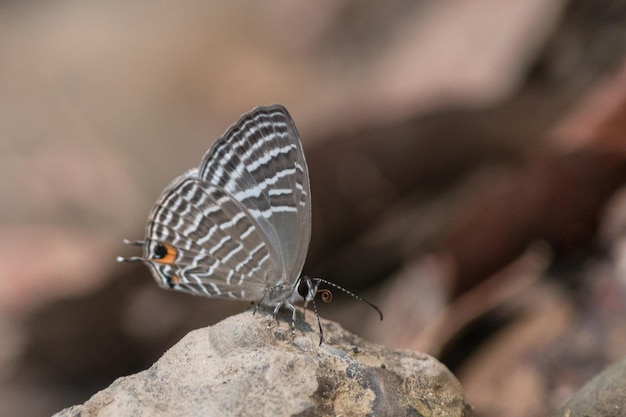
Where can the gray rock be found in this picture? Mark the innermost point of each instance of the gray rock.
(603, 396)
(239, 367)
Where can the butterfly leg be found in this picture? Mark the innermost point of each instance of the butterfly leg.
(273, 316)
(257, 305)
(293, 318)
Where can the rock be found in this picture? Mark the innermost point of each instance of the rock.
(603, 396)
(240, 367)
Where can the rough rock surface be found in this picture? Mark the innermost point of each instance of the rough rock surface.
(240, 367)
(603, 396)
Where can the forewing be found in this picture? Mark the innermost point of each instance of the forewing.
(260, 161)
(218, 248)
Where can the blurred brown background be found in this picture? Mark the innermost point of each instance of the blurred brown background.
(467, 163)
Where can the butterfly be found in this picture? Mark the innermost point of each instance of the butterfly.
(239, 226)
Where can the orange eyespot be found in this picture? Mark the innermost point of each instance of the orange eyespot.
(164, 253)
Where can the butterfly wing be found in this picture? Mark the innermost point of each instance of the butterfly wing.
(199, 239)
(260, 162)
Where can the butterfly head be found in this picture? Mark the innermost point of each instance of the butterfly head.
(307, 289)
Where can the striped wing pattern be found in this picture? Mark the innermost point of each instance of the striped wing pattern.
(216, 245)
(239, 226)
(260, 161)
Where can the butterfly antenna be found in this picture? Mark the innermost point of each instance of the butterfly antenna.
(375, 307)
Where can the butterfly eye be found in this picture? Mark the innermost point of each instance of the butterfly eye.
(303, 288)
(163, 253)
(307, 288)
